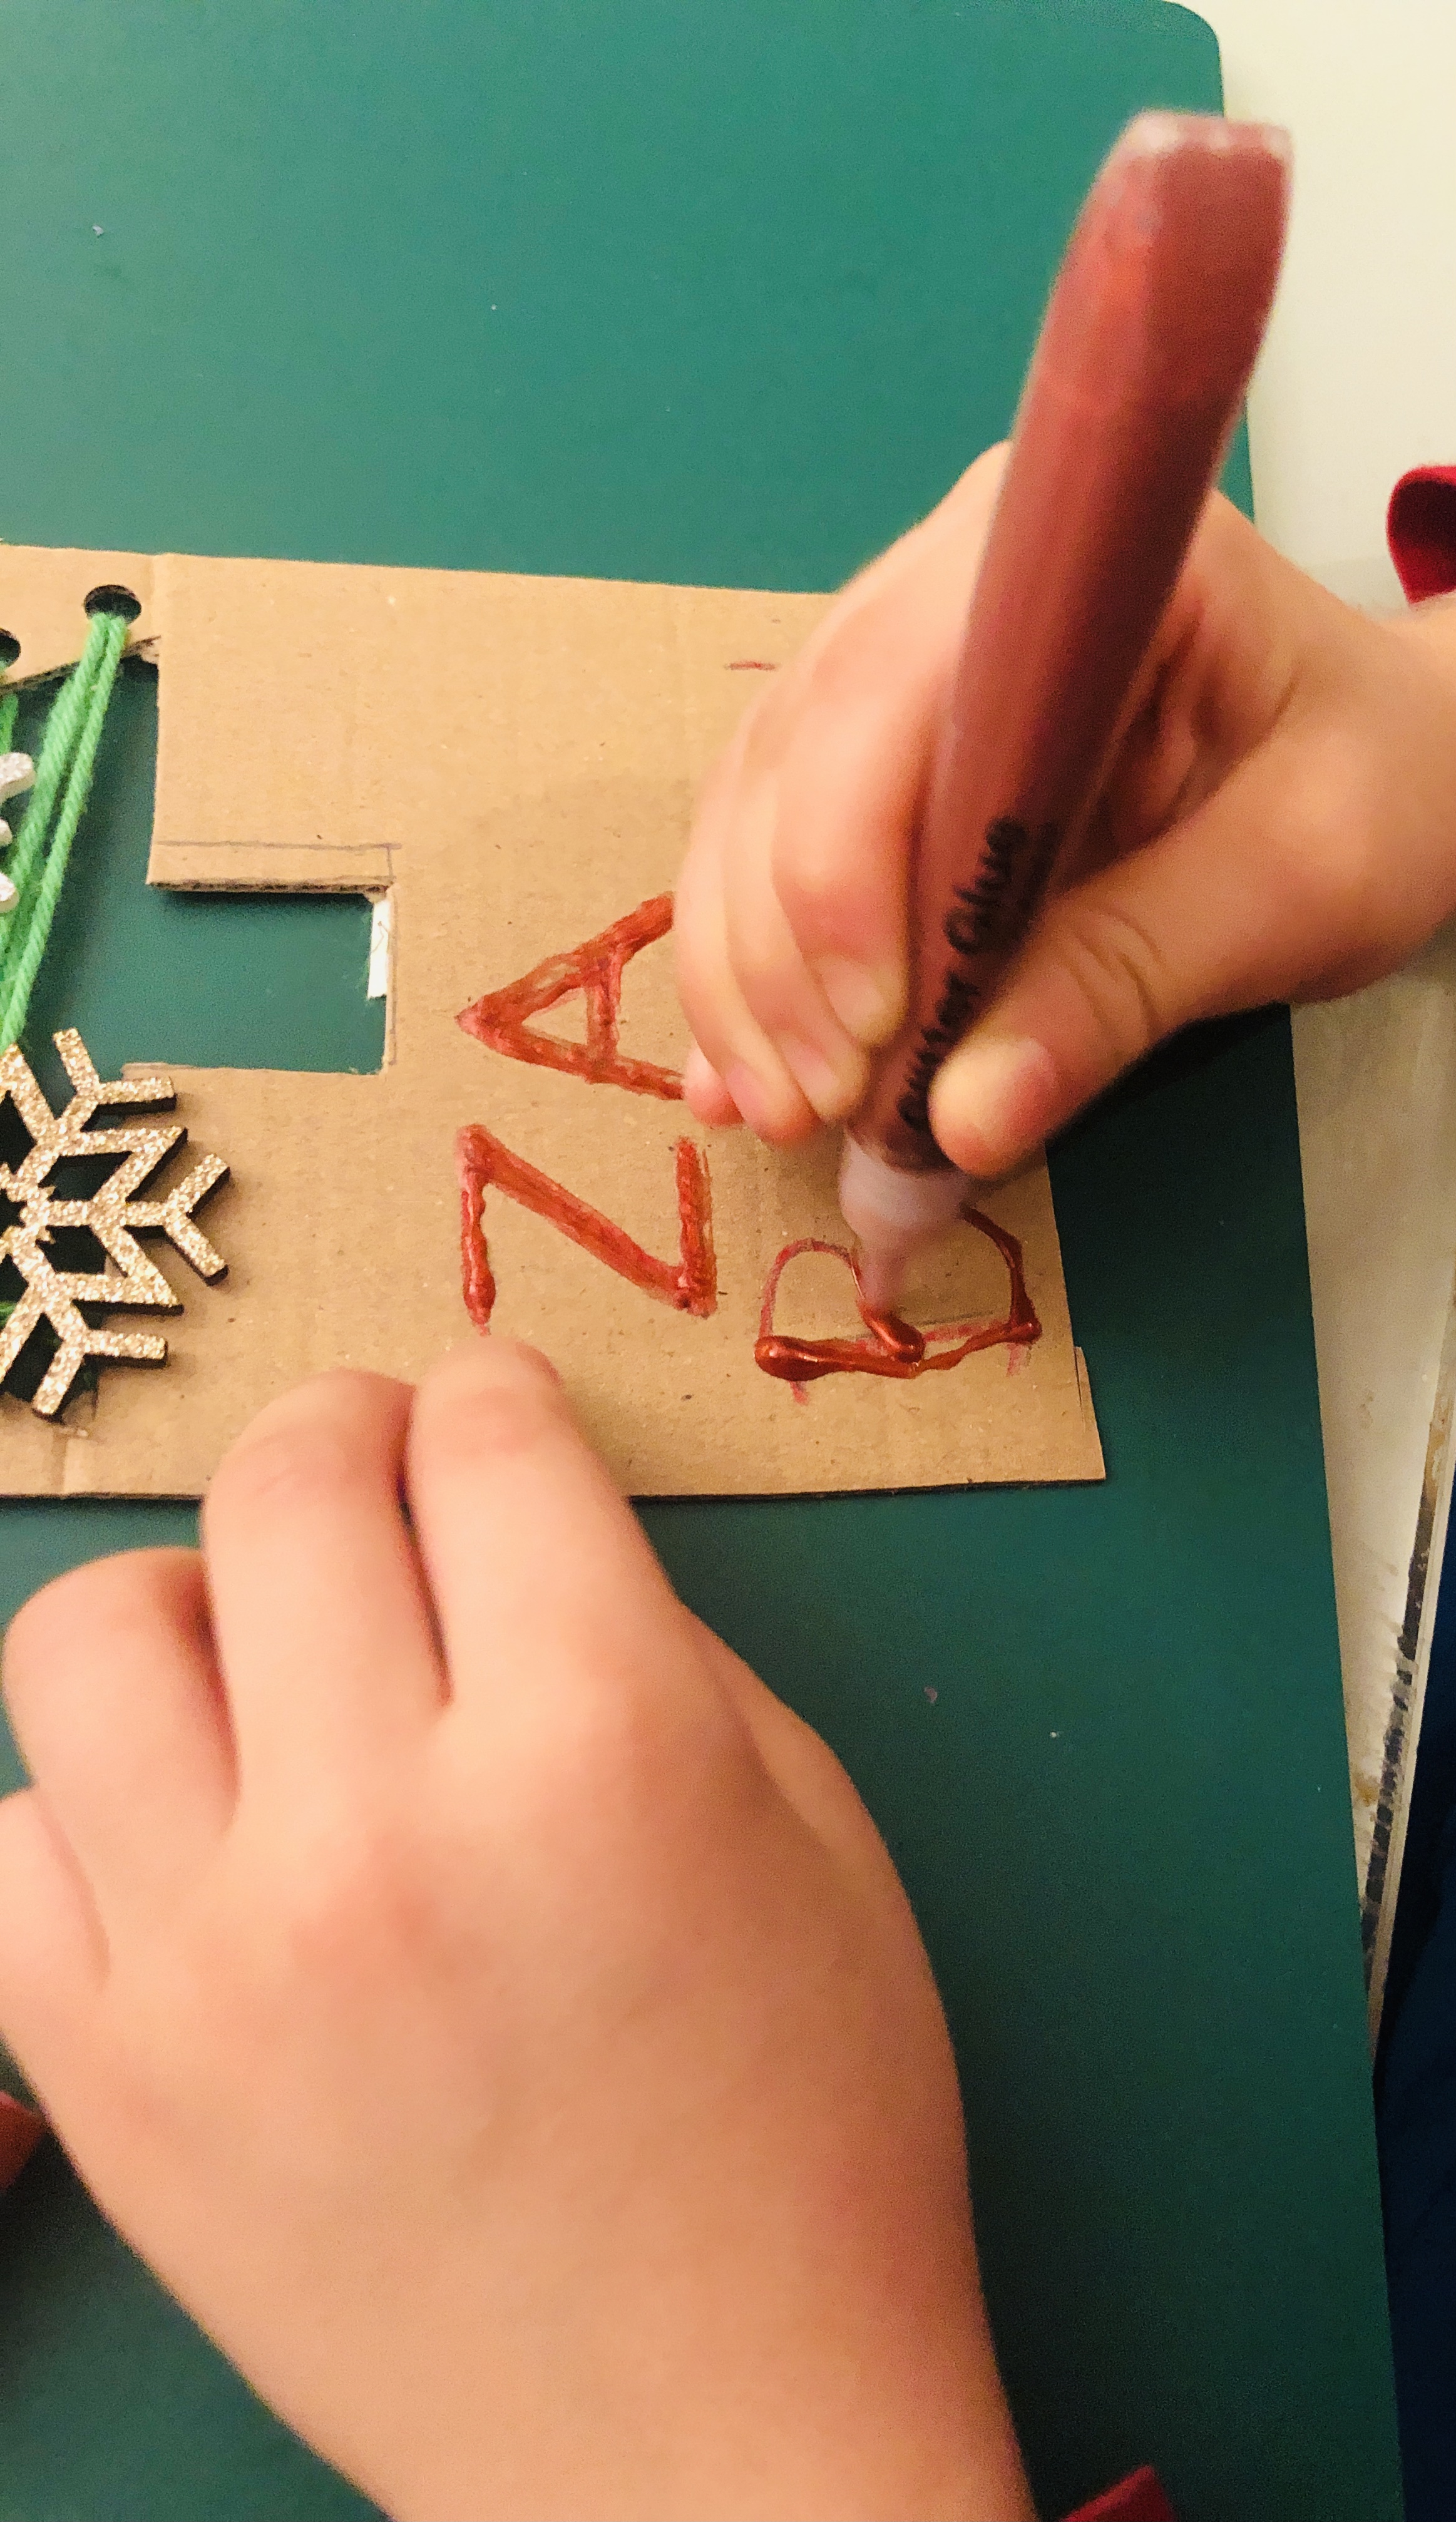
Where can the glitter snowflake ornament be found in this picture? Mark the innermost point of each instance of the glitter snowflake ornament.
(16, 773)
(38, 1236)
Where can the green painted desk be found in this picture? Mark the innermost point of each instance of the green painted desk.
(657, 290)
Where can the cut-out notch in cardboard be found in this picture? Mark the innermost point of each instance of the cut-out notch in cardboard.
(524, 1157)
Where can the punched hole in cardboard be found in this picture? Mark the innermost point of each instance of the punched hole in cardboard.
(113, 599)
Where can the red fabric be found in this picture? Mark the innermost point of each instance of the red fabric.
(1138, 2498)
(1421, 530)
(20, 2132)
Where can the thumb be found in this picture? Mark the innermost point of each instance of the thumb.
(1227, 910)
(51, 1953)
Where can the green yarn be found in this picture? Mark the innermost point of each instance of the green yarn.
(10, 702)
(41, 854)
(56, 747)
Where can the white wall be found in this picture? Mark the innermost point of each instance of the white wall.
(1358, 378)
(1358, 382)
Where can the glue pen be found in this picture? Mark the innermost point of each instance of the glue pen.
(1145, 348)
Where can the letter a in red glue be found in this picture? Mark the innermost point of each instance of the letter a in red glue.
(500, 1019)
(481, 1162)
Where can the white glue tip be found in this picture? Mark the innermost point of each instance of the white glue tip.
(893, 1215)
(882, 1273)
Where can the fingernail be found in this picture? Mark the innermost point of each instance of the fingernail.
(703, 1090)
(867, 1003)
(832, 1087)
(754, 1099)
(993, 1101)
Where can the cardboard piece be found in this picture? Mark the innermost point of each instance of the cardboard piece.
(512, 761)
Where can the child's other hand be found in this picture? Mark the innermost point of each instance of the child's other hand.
(488, 2009)
(1278, 821)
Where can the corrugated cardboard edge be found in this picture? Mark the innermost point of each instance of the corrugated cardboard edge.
(1090, 1432)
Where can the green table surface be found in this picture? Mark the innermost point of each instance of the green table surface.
(651, 289)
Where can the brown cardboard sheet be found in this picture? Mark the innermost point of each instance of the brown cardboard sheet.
(512, 763)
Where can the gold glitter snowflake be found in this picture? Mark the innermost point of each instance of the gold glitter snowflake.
(37, 1207)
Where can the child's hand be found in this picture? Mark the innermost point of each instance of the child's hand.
(488, 2009)
(1278, 821)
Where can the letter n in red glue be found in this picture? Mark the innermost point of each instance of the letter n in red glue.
(691, 1285)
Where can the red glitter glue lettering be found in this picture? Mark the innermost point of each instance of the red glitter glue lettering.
(890, 1346)
(500, 1019)
(691, 1285)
